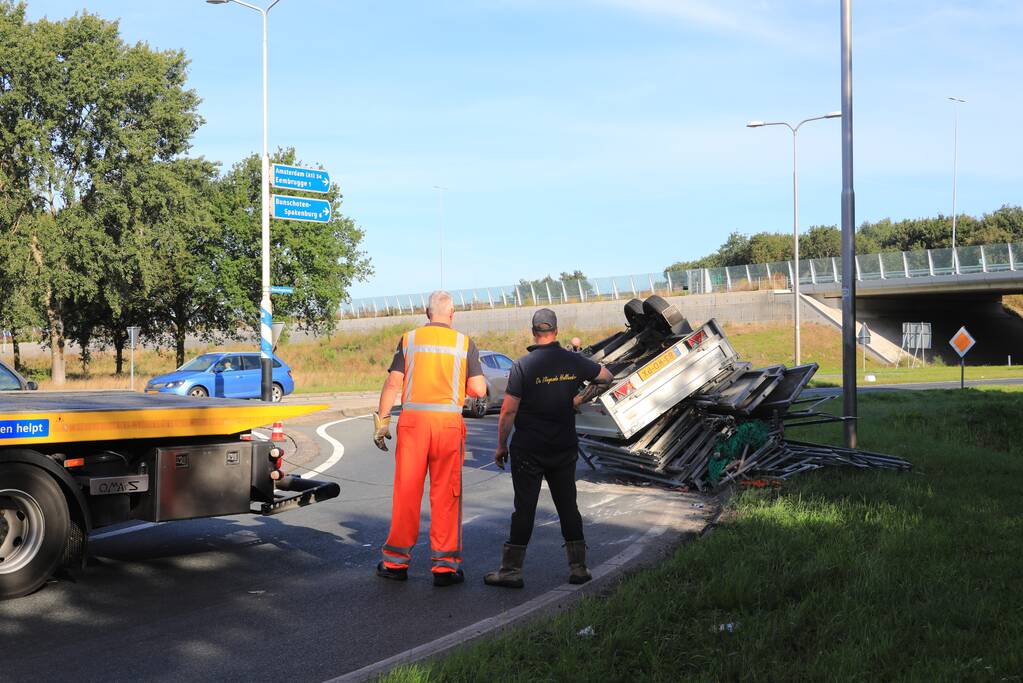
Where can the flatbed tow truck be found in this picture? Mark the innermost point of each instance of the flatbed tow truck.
(73, 462)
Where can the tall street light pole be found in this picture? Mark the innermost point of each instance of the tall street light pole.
(795, 212)
(956, 101)
(441, 191)
(848, 235)
(265, 307)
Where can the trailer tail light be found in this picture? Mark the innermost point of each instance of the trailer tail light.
(622, 391)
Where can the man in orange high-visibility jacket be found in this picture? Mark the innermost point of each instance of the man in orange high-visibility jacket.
(434, 368)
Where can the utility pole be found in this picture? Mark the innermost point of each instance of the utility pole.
(848, 235)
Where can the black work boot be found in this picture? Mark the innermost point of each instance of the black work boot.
(443, 579)
(392, 574)
(510, 573)
(577, 571)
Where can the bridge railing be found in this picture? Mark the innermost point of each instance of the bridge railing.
(893, 265)
(922, 263)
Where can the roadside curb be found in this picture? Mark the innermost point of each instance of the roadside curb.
(642, 552)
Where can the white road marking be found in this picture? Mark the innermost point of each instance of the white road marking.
(336, 454)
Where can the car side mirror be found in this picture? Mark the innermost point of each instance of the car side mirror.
(31, 386)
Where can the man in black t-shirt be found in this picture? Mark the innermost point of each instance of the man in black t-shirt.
(540, 401)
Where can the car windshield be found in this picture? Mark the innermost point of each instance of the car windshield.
(200, 363)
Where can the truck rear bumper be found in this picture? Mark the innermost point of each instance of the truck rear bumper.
(294, 491)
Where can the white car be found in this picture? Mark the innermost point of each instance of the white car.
(496, 367)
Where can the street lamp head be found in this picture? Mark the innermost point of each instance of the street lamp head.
(957, 99)
(833, 115)
(218, 2)
(754, 124)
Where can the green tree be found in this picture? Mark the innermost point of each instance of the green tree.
(769, 247)
(320, 260)
(79, 106)
(820, 241)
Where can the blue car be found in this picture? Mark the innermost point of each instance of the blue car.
(225, 375)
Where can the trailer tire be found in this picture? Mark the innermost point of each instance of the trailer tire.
(478, 406)
(34, 524)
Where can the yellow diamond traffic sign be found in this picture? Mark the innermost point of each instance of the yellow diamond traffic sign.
(962, 341)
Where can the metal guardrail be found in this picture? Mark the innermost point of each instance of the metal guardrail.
(922, 263)
(894, 265)
(535, 293)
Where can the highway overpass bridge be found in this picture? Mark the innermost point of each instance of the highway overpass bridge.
(945, 287)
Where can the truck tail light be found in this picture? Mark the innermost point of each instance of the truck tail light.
(277, 458)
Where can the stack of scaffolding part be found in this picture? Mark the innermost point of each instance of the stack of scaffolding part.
(678, 401)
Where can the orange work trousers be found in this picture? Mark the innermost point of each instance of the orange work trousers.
(433, 442)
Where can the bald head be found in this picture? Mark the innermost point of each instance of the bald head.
(441, 308)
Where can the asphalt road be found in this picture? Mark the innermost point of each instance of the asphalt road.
(294, 596)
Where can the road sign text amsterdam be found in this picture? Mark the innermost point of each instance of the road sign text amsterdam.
(300, 209)
(298, 178)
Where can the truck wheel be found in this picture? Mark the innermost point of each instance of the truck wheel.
(34, 523)
(276, 392)
(198, 392)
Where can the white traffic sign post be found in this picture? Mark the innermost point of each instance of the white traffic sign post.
(133, 337)
(962, 341)
(864, 339)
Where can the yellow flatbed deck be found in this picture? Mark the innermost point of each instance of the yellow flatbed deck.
(42, 417)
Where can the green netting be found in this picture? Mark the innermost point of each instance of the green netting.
(753, 434)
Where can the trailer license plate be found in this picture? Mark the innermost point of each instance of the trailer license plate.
(105, 486)
(659, 363)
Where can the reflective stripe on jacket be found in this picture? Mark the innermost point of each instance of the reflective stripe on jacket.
(435, 369)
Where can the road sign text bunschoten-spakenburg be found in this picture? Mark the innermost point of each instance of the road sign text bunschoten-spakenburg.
(300, 209)
(298, 178)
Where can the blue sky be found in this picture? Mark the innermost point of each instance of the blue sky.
(604, 135)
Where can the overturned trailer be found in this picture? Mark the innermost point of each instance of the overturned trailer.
(685, 410)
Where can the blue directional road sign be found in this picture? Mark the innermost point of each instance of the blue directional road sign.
(281, 289)
(300, 209)
(297, 178)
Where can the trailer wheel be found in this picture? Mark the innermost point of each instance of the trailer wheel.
(34, 523)
(479, 405)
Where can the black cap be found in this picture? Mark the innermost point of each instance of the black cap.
(544, 320)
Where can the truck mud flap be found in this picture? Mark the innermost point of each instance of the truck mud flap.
(293, 491)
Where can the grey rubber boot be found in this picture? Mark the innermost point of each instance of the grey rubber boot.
(510, 573)
(577, 571)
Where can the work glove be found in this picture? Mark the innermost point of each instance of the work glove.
(381, 430)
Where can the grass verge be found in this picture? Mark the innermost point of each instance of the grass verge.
(838, 575)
